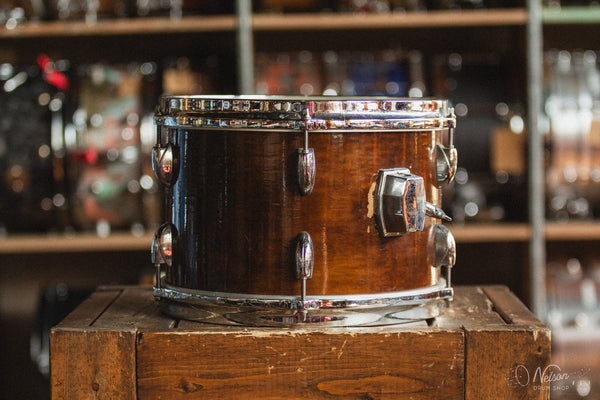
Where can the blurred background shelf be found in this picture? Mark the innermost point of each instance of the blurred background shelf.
(572, 231)
(268, 22)
(73, 243)
(521, 232)
(491, 232)
(122, 26)
(571, 15)
(395, 20)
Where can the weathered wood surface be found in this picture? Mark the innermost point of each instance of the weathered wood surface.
(118, 345)
(503, 341)
(90, 362)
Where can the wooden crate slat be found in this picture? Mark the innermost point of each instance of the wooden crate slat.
(90, 309)
(496, 358)
(133, 310)
(523, 345)
(93, 365)
(470, 307)
(349, 364)
(510, 307)
(469, 352)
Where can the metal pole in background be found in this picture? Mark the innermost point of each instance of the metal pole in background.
(536, 191)
(245, 47)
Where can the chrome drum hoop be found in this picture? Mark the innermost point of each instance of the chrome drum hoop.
(335, 310)
(314, 114)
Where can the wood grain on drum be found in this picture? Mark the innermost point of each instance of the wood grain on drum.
(238, 209)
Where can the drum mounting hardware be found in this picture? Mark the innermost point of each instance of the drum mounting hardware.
(444, 246)
(162, 248)
(400, 205)
(444, 249)
(165, 163)
(306, 168)
(304, 262)
(446, 158)
(165, 159)
(445, 165)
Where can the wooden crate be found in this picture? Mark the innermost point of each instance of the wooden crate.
(117, 345)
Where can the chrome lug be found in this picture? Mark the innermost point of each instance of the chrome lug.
(306, 170)
(163, 244)
(165, 163)
(444, 246)
(446, 159)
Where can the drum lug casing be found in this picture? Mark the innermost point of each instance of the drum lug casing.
(306, 171)
(400, 205)
(445, 165)
(444, 249)
(304, 256)
(165, 163)
(444, 246)
(445, 158)
(163, 243)
(304, 263)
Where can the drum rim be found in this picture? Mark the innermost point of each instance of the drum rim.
(275, 311)
(355, 302)
(294, 113)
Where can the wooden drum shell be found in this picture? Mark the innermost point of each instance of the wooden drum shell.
(237, 210)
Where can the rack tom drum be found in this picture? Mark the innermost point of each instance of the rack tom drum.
(295, 210)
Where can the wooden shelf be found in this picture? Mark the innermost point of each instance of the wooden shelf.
(269, 22)
(491, 233)
(521, 232)
(572, 231)
(125, 26)
(425, 19)
(81, 242)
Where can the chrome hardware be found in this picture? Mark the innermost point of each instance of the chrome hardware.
(165, 163)
(400, 205)
(373, 309)
(304, 262)
(306, 168)
(446, 157)
(304, 256)
(400, 200)
(293, 114)
(306, 171)
(444, 246)
(444, 249)
(162, 248)
(162, 245)
(445, 165)
(435, 212)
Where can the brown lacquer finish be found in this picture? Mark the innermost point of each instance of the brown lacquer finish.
(238, 209)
